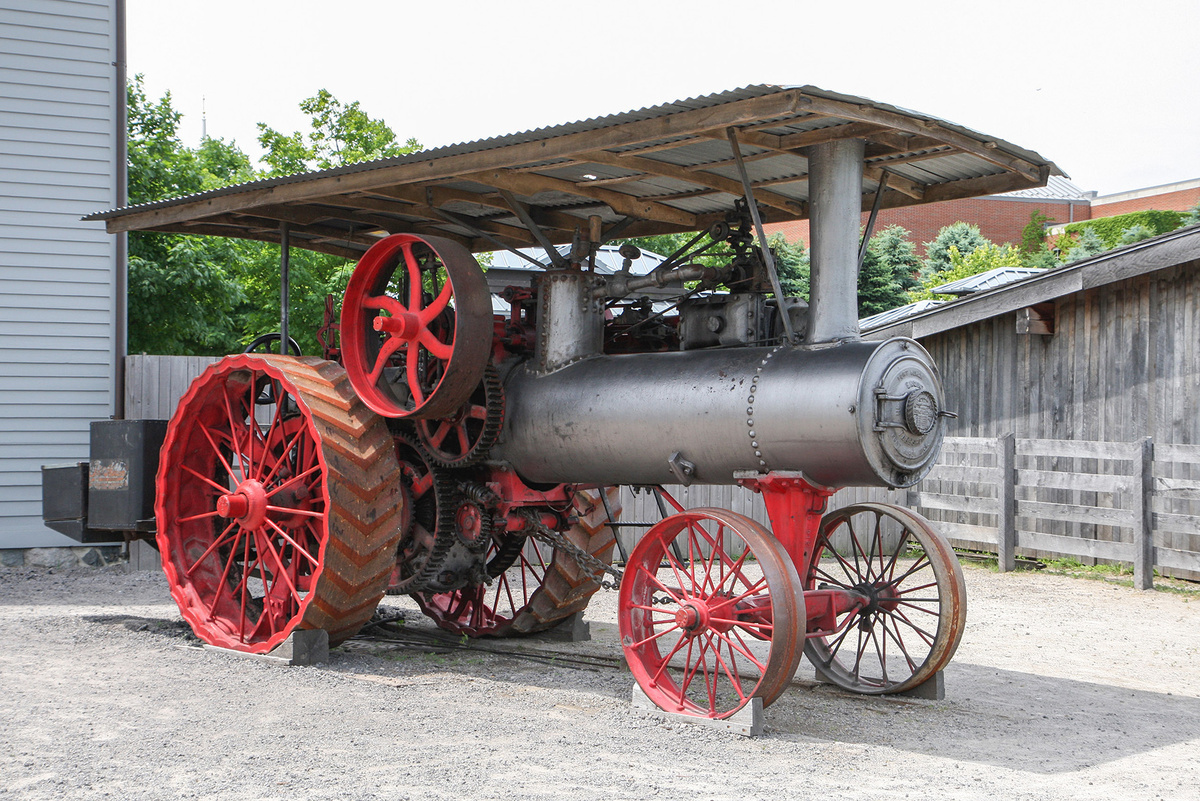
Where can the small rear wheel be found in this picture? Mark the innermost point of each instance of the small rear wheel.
(917, 600)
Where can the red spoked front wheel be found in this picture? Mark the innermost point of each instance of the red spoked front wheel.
(416, 326)
(277, 500)
(705, 634)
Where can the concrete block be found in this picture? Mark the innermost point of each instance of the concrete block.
(302, 647)
(747, 721)
(12, 557)
(933, 689)
(571, 629)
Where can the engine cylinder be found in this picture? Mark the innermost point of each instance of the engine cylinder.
(851, 414)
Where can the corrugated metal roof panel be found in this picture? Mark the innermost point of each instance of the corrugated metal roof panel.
(675, 148)
(986, 280)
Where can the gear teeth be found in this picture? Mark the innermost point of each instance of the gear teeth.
(564, 588)
(444, 537)
(493, 397)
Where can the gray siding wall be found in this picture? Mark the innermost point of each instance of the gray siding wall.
(58, 146)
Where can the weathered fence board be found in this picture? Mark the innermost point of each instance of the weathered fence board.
(1074, 546)
(1074, 513)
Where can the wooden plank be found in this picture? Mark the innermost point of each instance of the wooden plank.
(1057, 448)
(1143, 517)
(969, 444)
(957, 503)
(1174, 559)
(530, 184)
(1176, 489)
(1006, 525)
(1082, 482)
(1177, 523)
(1071, 513)
(694, 176)
(970, 533)
(959, 472)
(1167, 452)
(1074, 546)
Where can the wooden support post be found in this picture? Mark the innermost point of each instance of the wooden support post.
(1143, 514)
(1006, 519)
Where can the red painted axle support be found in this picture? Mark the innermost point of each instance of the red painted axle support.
(795, 506)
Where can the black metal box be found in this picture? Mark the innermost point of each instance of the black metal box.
(121, 474)
(65, 503)
(64, 491)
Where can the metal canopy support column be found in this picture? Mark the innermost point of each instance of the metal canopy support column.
(285, 253)
(835, 170)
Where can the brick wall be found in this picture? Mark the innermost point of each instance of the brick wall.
(1179, 200)
(999, 219)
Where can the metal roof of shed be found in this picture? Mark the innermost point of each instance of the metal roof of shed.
(663, 169)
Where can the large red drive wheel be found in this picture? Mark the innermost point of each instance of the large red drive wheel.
(416, 328)
(278, 498)
(917, 601)
(531, 589)
(704, 636)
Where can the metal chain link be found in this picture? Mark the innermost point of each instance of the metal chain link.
(586, 562)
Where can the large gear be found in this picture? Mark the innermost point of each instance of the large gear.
(465, 437)
(430, 535)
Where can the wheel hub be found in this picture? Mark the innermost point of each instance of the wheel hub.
(247, 504)
(404, 325)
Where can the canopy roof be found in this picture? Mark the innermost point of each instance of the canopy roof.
(663, 169)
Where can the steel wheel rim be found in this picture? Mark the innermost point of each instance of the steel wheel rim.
(441, 342)
(242, 507)
(915, 620)
(705, 620)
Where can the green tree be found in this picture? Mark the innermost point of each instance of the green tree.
(792, 264)
(339, 134)
(981, 259)
(1193, 215)
(1089, 244)
(183, 294)
(960, 235)
(1135, 233)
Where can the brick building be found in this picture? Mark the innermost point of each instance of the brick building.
(1001, 217)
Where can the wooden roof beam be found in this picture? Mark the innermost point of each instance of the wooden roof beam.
(983, 149)
(529, 184)
(711, 180)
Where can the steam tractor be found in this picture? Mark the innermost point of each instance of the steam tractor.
(470, 459)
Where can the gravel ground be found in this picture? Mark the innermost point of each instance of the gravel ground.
(1062, 688)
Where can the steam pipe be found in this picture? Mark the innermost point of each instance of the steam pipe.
(835, 180)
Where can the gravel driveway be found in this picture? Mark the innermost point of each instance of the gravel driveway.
(1062, 688)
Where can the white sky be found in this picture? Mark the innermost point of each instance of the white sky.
(1108, 89)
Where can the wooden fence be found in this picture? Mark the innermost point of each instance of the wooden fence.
(1133, 502)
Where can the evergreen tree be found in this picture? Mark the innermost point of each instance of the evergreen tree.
(960, 235)
(1089, 245)
(1135, 233)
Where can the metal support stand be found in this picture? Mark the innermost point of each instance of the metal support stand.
(285, 285)
(302, 647)
(747, 721)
